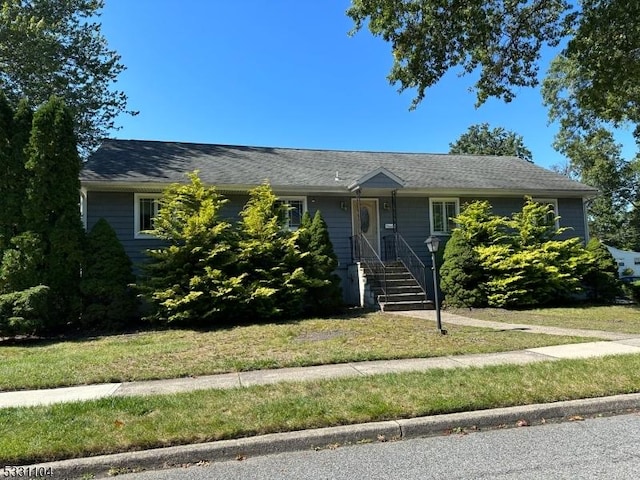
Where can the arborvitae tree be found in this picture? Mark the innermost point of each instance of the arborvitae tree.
(108, 298)
(6, 130)
(15, 129)
(461, 274)
(22, 263)
(188, 280)
(52, 206)
(324, 292)
(22, 124)
(269, 261)
(601, 278)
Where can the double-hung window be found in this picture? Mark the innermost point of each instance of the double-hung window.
(553, 213)
(443, 211)
(145, 211)
(296, 206)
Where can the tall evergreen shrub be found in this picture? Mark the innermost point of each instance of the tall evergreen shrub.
(461, 274)
(188, 281)
(324, 294)
(109, 300)
(511, 262)
(601, 278)
(51, 209)
(269, 264)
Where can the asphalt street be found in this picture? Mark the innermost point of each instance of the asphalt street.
(592, 448)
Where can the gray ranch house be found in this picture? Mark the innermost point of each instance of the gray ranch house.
(379, 207)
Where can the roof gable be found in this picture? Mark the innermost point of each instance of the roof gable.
(378, 178)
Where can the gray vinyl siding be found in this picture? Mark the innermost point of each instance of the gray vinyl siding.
(412, 220)
(413, 224)
(118, 209)
(570, 210)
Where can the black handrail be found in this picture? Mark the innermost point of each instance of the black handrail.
(398, 249)
(362, 251)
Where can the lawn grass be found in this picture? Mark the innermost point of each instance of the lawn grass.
(613, 318)
(121, 424)
(181, 353)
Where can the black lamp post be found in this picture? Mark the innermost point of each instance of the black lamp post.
(432, 245)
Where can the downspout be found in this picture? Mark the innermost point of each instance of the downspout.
(585, 202)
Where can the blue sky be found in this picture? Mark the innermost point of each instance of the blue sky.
(285, 73)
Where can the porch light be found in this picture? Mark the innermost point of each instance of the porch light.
(433, 243)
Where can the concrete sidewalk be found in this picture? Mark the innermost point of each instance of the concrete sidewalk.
(617, 345)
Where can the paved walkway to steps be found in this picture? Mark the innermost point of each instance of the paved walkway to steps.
(616, 344)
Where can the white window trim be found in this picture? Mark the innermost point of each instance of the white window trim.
(136, 213)
(552, 201)
(441, 199)
(83, 208)
(285, 199)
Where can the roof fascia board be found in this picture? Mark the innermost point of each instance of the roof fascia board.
(127, 186)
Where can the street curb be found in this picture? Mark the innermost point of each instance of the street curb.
(238, 449)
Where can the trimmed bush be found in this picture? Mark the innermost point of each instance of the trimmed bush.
(270, 270)
(189, 280)
(324, 294)
(601, 278)
(635, 291)
(24, 312)
(511, 262)
(109, 300)
(461, 274)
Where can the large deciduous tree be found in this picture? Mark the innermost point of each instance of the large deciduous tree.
(480, 139)
(501, 39)
(592, 85)
(55, 47)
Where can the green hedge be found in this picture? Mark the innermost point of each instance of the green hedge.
(23, 312)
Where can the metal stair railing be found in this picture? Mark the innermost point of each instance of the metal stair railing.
(362, 251)
(397, 248)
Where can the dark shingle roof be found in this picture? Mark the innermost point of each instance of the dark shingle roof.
(137, 161)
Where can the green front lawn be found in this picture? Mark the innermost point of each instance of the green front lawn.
(123, 424)
(614, 318)
(180, 353)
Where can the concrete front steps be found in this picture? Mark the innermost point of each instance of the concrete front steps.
(403, 290)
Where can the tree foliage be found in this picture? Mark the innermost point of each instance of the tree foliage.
(601, 278)
(188, 279)
(500, 39)
(511, 262)
(269, 260)
(106, 286)
(586, 137)
(211, 271)
(480, 139)
(24, 312)
(51, 208)
(319, 261)
(55, 47)
(461, 274)
(15, 129)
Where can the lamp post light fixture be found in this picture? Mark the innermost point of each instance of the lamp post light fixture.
(433, 243)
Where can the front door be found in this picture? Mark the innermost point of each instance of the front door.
(365, 220)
